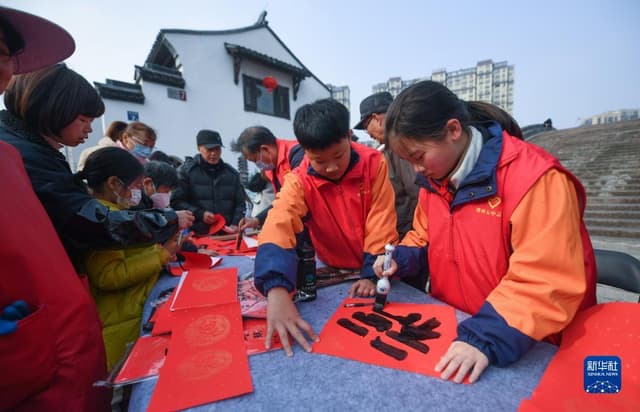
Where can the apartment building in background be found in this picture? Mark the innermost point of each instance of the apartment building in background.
(487, 81)
(341, 94)
(613, 116)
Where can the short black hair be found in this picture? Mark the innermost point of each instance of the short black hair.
(160, 156)
(252, 138)
(50, 99)
(321, 124)
(162, 173)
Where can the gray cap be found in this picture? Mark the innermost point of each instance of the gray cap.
(376, 103)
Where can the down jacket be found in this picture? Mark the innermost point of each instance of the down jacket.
(120, 281)
(203, 187)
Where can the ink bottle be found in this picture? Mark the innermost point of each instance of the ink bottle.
(306, 277)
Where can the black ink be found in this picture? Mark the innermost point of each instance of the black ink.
(388, 350)
(419, 346)
(381, 324)
(403, 320)
(347, 324)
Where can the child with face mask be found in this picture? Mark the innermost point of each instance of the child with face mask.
(160, 179)
(120, 278)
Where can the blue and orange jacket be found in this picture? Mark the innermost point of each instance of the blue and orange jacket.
(349, 222)
(290, 154)
(510, 247)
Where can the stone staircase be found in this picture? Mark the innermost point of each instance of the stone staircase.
(606, 159)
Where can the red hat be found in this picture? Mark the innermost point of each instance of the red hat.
(44, 43)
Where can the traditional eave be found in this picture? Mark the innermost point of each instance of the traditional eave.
(240, 52)
(159, 74)
(123, 91)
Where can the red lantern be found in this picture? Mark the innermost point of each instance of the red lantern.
(270, 83)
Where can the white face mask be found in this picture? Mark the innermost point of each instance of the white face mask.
(125, 203)
(161, 200)
(136, 196)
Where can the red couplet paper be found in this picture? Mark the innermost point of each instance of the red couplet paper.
(200, 288)
(207, 359)
(190, 261)
(163, 317)
(145, 359)
(255, 333)
(610, 329)
(338, 341)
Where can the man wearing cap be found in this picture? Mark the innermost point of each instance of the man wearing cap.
(209, 186)
(373, 110)
(51, 349)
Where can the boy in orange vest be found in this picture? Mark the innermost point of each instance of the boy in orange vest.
(341, 192)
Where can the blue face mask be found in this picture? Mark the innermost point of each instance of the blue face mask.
(260, 164)
(141, 151)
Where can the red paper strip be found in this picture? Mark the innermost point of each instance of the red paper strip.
(200, 288)
(255, 332)
(610, 329)
(163, 317)
(207, 360)
(217, 224)
(145, 359)
(338, 341)
(191, 261)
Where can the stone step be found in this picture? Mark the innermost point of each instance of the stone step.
(610, 207)
(614, 232)
(609, 214)
(630, 200)
(613, 223)
(597, 185)
(613, 193)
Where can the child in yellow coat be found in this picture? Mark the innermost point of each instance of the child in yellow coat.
(120, 278)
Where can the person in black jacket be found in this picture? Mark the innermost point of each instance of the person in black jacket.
(52, 108)
(207, 186)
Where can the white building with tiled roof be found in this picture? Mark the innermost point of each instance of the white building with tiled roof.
(194, 80)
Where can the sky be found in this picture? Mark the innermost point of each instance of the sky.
(573, 58)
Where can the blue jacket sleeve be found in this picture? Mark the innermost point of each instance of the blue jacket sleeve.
(490, 334)
(275, 267)
(411, 260)
(367, 267)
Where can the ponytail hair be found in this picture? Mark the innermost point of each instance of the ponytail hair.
(421, 112)
(483, 111)
(107, 162)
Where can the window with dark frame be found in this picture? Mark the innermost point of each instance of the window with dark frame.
(258, 99)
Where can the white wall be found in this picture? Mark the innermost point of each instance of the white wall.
(214, 101)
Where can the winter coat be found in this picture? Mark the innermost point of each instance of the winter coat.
(82, 223)
(509, 247)
(120, 281)
(52, 360)
(209, 188)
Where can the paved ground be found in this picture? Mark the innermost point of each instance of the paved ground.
(632, 247)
